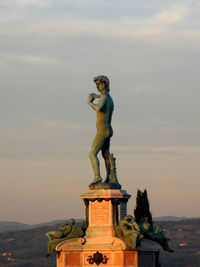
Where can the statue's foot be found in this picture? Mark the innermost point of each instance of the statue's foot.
(97, 180)
(106, 181)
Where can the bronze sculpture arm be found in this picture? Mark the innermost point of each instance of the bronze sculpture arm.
(99, 106)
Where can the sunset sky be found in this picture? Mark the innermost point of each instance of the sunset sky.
(50, 50)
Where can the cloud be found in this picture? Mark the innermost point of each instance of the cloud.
(124, 25)
(34, 59)
(155, 25)
(37, 3)
(26, 58)
(160, 152)
(44, 139)
(173, 15)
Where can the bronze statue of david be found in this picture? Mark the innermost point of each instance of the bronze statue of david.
(104, 109)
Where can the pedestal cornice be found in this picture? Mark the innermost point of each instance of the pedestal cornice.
(106, 194)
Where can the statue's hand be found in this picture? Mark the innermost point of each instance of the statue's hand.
(95, 95)
(92, 96)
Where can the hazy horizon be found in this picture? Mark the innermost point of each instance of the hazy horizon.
(174, 218)
(50, 50)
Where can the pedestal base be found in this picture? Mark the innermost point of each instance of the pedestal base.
(74, 253)
(104, 208)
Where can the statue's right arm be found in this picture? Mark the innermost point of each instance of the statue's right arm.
(136, 226)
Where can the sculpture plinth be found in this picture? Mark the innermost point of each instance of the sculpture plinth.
(104, 209)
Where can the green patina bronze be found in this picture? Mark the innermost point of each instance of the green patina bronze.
(132, 233)
(154, 233)
(129, 231)
(104, 109)
(66, 231)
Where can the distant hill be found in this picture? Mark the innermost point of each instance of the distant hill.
(170, 218)
(54, 222)
(14, 226)
(27, 248)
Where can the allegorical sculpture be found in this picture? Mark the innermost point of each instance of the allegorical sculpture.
(133, 231)
(129, 231)
(154, 233)
(66, 231)
(104, 109)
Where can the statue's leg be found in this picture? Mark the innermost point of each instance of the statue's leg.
(49, 235)
(96, 147)
(134, 236)
(50, 247)
(106, 153)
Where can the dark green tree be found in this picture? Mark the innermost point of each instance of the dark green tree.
(142, 209)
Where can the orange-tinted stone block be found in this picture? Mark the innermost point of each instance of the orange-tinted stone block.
(86, 255)
(73, 259)
(130, 258)
(118, 259)
(100, 212)
(109, 257)
(60, 259)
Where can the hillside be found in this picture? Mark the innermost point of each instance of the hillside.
(170, 218)
(185, 241)
(6, 226)
(27, 248)
(12, 226)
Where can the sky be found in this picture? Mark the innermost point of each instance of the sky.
(50, 50)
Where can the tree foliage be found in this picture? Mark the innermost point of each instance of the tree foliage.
(142, 207)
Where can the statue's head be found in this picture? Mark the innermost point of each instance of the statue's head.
(102, 79)
(129, 218)
(67, 227)
(71, 222)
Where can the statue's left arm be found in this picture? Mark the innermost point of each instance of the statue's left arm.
(100, 105)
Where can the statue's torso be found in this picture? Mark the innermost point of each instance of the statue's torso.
(104, 116)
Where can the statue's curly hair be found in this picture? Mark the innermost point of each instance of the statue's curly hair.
(103, 79)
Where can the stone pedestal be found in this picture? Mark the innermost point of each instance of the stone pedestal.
(104, 208)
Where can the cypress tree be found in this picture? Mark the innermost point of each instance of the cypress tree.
(142, 207)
